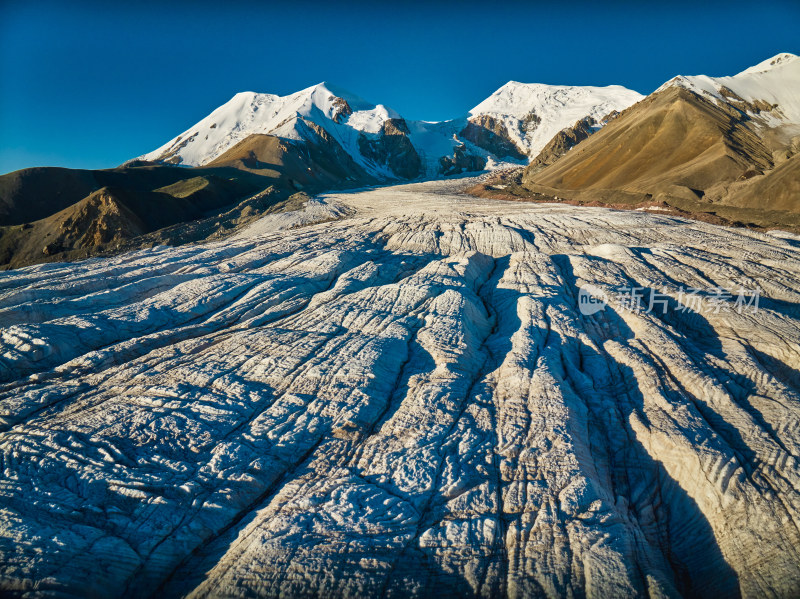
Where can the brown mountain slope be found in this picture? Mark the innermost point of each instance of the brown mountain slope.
(779, 189)
(683, 153)
(300, 165)
(35, 193)
(55, 213)
(563, 142)
(110, 215)
(672, 144)
(101, 217)
(679, 153)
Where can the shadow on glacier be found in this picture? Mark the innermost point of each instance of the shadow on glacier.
(680, 530)
(783, 372)
(670, 519)
(700, 341)
(444, 572)
(677, 528)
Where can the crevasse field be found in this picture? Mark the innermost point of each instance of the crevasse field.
(404, 399)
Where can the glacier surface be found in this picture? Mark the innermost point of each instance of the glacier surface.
(405, 401)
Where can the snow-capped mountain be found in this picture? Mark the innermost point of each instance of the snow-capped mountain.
(532, 113)
(697, 142)
(768, 92)
(512, 124)
(343, 115)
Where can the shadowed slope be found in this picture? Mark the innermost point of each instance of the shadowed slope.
(34, 193)
(322, 163)
(778, 190)
(118, 205)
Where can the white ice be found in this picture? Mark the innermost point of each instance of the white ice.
(405, 401)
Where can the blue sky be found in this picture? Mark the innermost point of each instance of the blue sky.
(89, 85)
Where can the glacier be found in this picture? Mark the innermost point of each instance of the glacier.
(394, 393)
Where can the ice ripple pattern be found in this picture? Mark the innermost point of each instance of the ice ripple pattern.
(405, 402)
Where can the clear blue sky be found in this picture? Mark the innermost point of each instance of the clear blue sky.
(90, 85)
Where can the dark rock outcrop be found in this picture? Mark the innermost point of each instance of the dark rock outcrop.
(340, 110)
(529, 122)
(393, 149)
(489, 133)
(563, 141)
(461, 162)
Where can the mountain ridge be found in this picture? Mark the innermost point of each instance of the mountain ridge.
(493, 130)
(698, 144)
(324, 137)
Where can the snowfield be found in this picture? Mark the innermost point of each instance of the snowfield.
(406, 401)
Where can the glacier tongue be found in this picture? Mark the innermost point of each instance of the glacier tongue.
(405, 402)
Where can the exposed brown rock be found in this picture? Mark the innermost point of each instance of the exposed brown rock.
(530, 122)
(341, 109)
(610, 116)
(172, 156)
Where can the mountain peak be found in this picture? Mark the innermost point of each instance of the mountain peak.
(532, 113)
(325, 88)
(773, 82)
(525, 115)
(769, 64)
(516, 98)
